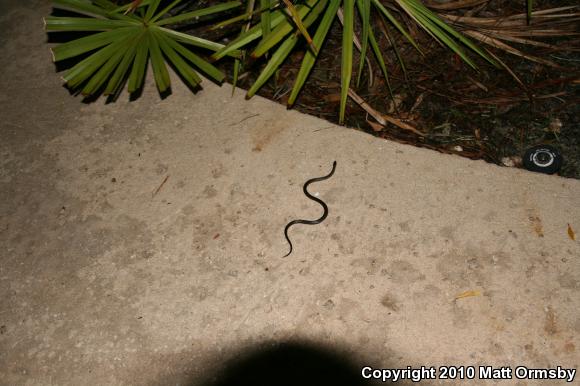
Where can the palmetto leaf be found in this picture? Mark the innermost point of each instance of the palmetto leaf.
(90, 8)
(98, 79)
(84, 24)
(265, 17)
(274, 63)
(297, 19)
(285, 29)
(151, 10)
(203, 65)
(198, 42)
(106, 4)
(395, 22)
(139, 64)
(382, 65)
(309, 56)
(199, 13)
(159, 69)
(89, 43)
(164, 11)
(131, 6)
(364, 7)
(186, 71)
(125, 39)
(346, 63)
(84, 69)
(441, 31)
(284, 50)
(123, 45)
(120, 72)
(252, 34)
(238, 62)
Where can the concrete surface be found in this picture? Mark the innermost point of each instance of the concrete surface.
(108, 276)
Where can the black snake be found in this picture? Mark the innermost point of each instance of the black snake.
(310, 222)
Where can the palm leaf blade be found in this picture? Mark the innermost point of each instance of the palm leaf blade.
(364, 7)
(265, 19)
(89, 9)
(53, 23)
(199, 13)
(310, 18)
(278, 33)
(248, 36)
(185, 70)
(273, 64)
(310, 57)
(197, 41)
(139, 64)
(378, 54)
(83, 7)
(396, 23)
(84, 69)
(346, 61)
(98, 79)
(165, 10)
(89, 43)
(203, 65)
(122, 68)
(442, 30)
(157, 63)
(151, 9)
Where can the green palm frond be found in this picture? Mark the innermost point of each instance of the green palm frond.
(124, 43)
(280, 30)
(284, 50)
(442, 31)
(346, 63)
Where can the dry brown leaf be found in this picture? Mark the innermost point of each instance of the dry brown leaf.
(468, 294)
(332, 97)
(514, 39)
(382, 118)
(375, 126)
(571, 233)
(495, 21)
(498, 44)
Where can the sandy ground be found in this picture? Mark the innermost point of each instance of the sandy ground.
(142, 243)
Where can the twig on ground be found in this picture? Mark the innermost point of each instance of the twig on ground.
(160, 186)
(383, 119)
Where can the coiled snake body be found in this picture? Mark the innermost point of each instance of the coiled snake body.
(310, 222)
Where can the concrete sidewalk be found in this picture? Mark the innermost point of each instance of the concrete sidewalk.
(141, 242)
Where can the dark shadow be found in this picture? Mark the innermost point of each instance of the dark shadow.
(287, 364)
